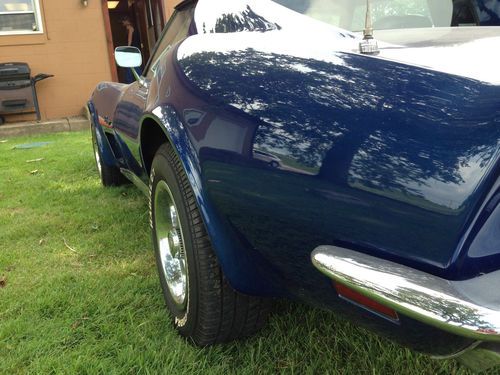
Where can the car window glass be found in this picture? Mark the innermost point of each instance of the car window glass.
(488, 12)
(393, 15)
(387, 14)
(176, 30)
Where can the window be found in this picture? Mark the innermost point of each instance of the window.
(20, 17)
(394, 14)
(176, 30)
(388, 14)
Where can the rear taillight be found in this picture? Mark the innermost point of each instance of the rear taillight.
(369, 304)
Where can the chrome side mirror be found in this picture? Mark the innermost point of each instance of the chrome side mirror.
(128, 57)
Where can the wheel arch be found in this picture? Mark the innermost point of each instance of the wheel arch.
(152, 136)
(107, 154)
(244, 271)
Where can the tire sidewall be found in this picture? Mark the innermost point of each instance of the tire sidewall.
(163, 170)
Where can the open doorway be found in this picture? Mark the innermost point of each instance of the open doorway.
(146, 17)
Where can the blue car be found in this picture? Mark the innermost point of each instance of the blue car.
(344, 153)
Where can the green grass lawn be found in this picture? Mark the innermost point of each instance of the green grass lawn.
(79, 291)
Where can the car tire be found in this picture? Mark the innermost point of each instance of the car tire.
(204, 307)
(110, 176)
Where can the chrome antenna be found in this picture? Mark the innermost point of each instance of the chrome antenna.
(368, 31)
(368, 45)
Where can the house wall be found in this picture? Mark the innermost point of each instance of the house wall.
(72, 47)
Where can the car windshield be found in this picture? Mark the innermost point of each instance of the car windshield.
(388, 14)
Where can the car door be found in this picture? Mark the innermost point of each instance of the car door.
(131, 108)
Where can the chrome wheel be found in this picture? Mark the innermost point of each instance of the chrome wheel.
(96, 153)
(110, 175)
(170, 243)
(202, 304)
(98, 160)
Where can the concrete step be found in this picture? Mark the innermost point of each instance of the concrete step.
(66, 124)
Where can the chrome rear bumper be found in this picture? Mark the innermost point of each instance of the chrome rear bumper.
(469, 308)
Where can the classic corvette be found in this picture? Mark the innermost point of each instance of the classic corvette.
(344, 153)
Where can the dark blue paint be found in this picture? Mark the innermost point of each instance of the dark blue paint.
(128, 114)
(245, 268)
(481, 248)
(386, 158)
(359, 163)
(106, 152)
(374, 155)
(487, 242)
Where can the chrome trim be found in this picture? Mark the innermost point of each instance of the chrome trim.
(170, 243)
(136, 75)
(368, 45)
(135, 180)
(469, 308)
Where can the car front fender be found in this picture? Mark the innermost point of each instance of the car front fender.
(106, 152)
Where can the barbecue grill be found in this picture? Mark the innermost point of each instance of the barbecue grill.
(18, 89)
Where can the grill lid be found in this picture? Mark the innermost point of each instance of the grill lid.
(14, 71)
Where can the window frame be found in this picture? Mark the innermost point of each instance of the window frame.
(38, 20)
(180, 7)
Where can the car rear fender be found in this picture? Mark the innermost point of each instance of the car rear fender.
(480, 247)
(246, 272)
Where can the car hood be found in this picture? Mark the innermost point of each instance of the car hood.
(471, 52)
